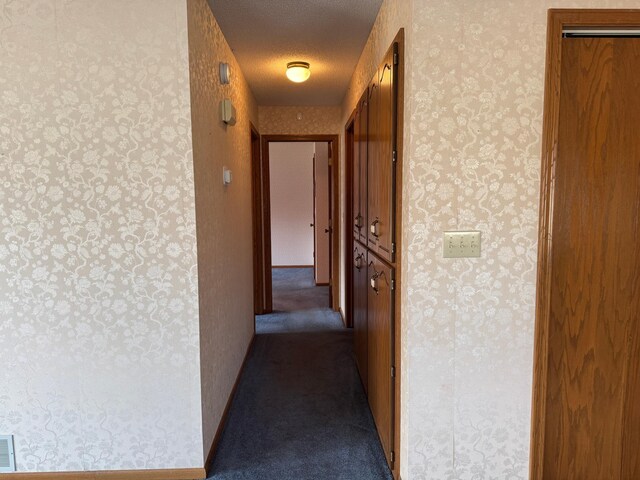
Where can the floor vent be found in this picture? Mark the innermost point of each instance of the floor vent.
(7, 458)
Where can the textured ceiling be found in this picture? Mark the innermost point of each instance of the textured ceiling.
(267, 34)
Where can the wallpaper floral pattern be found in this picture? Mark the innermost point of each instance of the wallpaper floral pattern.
(98, 281)
(473, 110)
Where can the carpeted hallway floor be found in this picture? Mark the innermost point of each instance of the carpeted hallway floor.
(300, 411)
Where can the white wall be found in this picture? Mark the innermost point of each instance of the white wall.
(322, 202)
(98, 284)
(291, 185)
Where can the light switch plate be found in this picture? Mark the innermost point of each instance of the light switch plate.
(461, 244)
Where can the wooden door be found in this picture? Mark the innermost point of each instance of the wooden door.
(360, 171)
(589, 411)
(362, 174)
(357, 220)
(382, 160)
(380, 304)
(360, 329)
(322, 213)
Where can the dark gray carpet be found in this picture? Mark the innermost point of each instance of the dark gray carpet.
(300, 411)
(298, 305)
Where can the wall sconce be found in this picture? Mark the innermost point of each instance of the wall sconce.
(227, 112)
(225, 74)
(298, 72)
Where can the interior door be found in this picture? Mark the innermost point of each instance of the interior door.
(382, 160)
(380, 304)
(322, 213)
(591, 413)
(360, 327)
(360, 170)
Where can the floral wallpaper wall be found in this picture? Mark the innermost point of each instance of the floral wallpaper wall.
(313, 120)
(475, 109)
(223, 213)
(98, 283)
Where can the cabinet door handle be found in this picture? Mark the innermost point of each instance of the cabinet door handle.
(374, 228)
(373, 281)
(358, 221)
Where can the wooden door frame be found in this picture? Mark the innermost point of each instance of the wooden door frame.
(349, 152)
(558, 20)
(330, 214)
(262, 200)
(258, 222)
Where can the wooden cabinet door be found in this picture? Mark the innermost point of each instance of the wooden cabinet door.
(382, 159)
(360, 170)
(380, 300)
(360, 329)
(357, 221)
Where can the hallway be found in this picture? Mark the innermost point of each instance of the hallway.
(300, 411)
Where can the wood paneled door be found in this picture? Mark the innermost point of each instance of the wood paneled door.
(380, 368)
(586, 416)
(359, 182)
(382, 158)
(360, 327)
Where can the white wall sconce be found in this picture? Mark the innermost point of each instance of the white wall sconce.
(225, 73)
(227, 112)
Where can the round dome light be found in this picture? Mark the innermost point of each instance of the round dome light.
(298, 72)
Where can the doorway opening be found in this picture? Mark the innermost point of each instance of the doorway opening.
(296, 223)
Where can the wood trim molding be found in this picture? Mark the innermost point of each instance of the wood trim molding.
(225, 414)
(558, 19)
(256, 218)
(397, 324)
(347, 225)
(266, 209)
(169, 474)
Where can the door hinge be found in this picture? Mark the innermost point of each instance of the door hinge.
(394, 156)
(393, 247)
(395, 59)
(393, 372)
(392, 455)
(393, 284)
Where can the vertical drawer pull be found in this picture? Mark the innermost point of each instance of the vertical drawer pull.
(374, 279)
(374, 228)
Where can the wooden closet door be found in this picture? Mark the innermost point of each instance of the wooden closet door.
(357, 220)
(380, 339)
(360, 171)
(360, 328)
(591, 413)
(382, 159)
(364, 155)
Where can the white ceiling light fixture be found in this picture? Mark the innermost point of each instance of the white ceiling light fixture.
(298, 72)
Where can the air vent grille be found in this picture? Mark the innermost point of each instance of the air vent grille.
(7, 459)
